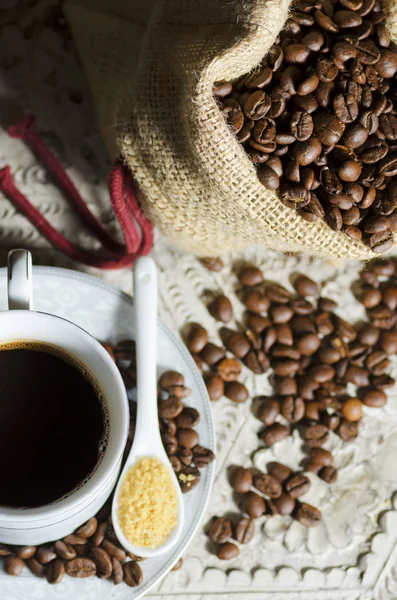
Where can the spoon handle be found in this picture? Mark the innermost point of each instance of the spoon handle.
(145, 299)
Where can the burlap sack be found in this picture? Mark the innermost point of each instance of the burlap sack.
(155, 105)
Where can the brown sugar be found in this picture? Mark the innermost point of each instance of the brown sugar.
(148, 506)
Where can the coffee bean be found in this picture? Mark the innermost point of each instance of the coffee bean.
(188, 478)
(321, 457)
(89, 528)
(80, 567)
(113, 550)
(23, 552)
(268, 411)
(132, 574)
(328, 128)
(65, 551)
(292, 408)
(285, 386)
(244, 530)
(305, 286)
(254, 505)
(220, 530)
(211, 354)
(117, 571)
(99, 535)
(227, 551)
(185, 455)
(374, 397)
(273, 434)
(388, 341)
(237, 344)
(255, 301)
(347, 431)
(316, 435)
(55, 572)
(279, 471)
(35, 567)
(329, 474)
(13, 565)
(308, 344)
(197, 338)
(313, 410)
(267, 485)
(169, 409)
(236, 391)
(215, 386)
(285, 504)
(202, 457)
(357, 375)
(352, 409)
(221, 309)
(269, 178)
(46, 553)
(189, 417)
(307, 515)
(251, 276)
(187, 437)
(212, 264)
(229, 369)
(241, 480)
(297, 485)
(307, 151)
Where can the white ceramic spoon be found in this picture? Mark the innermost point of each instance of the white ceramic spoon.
(147, 440)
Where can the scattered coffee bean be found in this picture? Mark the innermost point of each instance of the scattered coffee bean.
(268, 411)
(279, 471)
(214, 264)
(211, 354)
(267, 485)
(273, 434)
(13, 565)
(221, 309)
(244, 530)
(132, 573)
(227, 551)
(55, 571)
(254, 505)
(321, 456)
(24, 552)
(220, 530)
(236, 391)
(241, 480)
(307, 515)
(197, 338)
(215, 386)
(328, 473)
(80, 568)
(251, 276)
(229, 369)
(285, 504)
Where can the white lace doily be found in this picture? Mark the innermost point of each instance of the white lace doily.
(353, 554)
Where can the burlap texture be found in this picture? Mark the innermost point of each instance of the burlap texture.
(198, 185)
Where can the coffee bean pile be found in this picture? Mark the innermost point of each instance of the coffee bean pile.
(323, 371)
(177, 421)
(276, 492)
(318, 117)
(93, 549)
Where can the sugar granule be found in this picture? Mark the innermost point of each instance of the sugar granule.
(148, 506)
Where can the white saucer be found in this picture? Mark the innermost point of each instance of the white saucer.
(106, 313)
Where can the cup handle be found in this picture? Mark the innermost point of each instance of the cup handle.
(19, 280)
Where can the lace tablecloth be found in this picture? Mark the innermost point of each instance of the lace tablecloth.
(353, 554)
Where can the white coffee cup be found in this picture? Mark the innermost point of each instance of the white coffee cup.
(37, 525)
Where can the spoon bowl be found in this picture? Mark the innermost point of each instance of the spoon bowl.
(147, 440)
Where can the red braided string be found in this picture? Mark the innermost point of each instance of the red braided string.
(122, 196)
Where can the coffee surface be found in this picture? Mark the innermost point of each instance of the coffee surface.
(52, 425)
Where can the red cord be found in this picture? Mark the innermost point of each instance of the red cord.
(122, 196)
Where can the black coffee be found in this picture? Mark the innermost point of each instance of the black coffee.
(53, 425)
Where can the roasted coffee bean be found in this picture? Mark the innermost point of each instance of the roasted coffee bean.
(55, 571)
(374, 397)
(212, 264)
(187, 437)
(185, 456)
(305, 286)
(285, 504)
(237, 344)
(269, 178)
(13, 565)
(220, 530)
(215, 386)
(227, 551)
(80, 567)
(316, 435)
(267, 485)
(388, 342)
(89, 528)
(132, 574)
(241, 480)
(307, 151)
(169, 409)
(189, 417)
(352, 409)
(285, 386)
(5, 550)
(257, 361)
(202, 457)
(268, 411)
(188, 478)
(170, 443)
(357, 375)
(211, 354)
(321, 457)
(273, 434)
(307, 515)
(329, 474)
(312, 410)
(279, 471)
(308, 344)
(347, 430)
(254, 505)
(221, 309)
(297, 485)
(23, 552)
(197, 338)
(328, 128)
(113, 550)
(117, 571)
(175, 463)
(65, 551)
(99, 535)
(35, 567)
(251, 276)
(46, 553)
(255, 301)
(244, 530)
(236, 391)
(278, 294)
(292, 408)
(229, 369)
